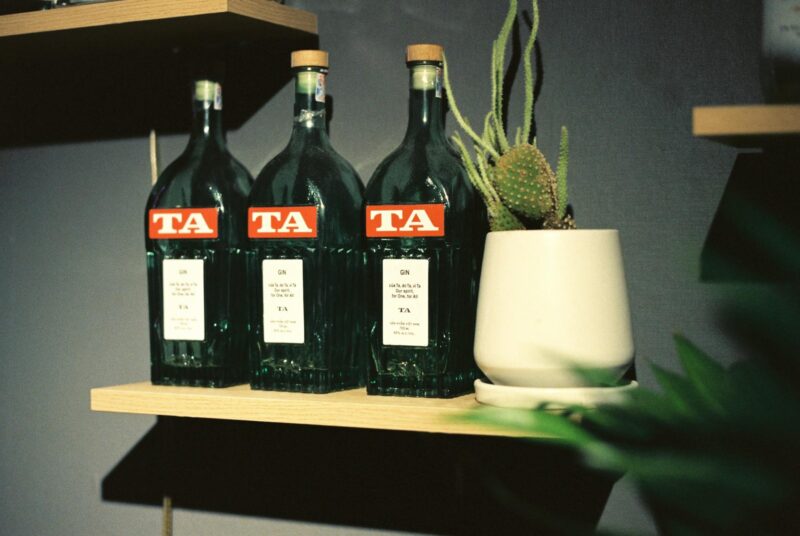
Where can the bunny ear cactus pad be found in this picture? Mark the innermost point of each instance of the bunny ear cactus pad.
(516, 182)
(524, 181)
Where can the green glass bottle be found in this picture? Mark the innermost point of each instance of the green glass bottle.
(195, 237)
(425, 230)
(306, 254)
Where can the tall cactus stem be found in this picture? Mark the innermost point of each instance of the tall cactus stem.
(529, 77)
(472, 172)
(489, 135)
(561, 172)
(463, 123)
(498, 67)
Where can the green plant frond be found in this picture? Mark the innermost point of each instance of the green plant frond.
(462, 122)
(561, 173)
(593, 376)
(676, 473)
(499, 70)
(763, 402)
(682, 394)
(533, 423)
(655, 408)
(707, 376)
(518, 137)
(776, 239)
(529, 77)
(610, 424)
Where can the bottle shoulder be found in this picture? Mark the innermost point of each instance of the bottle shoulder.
(306, 176)
(419, 173)
(206, 179)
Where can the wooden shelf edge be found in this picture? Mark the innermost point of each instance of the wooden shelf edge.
(131, 11)
(735, 124)
(349, 409)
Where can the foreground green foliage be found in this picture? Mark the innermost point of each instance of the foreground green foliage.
(715, 452)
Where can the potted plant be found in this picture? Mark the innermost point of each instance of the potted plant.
(714, 449)
(552, 299)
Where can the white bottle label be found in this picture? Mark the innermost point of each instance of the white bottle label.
(184, 300)
(284, 319)
(405, 302)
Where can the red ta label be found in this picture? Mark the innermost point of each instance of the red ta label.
(282, 222)
(405, 220)
(183, 223)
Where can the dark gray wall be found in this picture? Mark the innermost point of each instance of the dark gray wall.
(622, 75)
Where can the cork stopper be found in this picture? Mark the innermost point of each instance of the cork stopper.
(424, 52)
(309, 58)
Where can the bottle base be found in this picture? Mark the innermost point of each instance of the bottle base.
(306, 380)
(433, 386)
(196, 376)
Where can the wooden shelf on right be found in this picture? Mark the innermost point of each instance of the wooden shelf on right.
(747, 125)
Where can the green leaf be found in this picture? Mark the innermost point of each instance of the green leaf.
(680, 392)
(780, 245)
(713, 487)
(595, 376)
(533, 422)
(652, 407)
(613, 422)
(764, 405)
(707, 376)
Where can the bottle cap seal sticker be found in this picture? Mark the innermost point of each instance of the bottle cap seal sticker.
(424, 77)
(312, 83)
(209, 93)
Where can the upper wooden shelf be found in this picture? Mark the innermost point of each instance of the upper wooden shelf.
(122, 67)
(146, 20)
(747, 125)
(351, 409)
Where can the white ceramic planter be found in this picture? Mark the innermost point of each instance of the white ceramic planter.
(551, 301)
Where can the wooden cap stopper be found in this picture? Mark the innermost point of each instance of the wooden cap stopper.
(424, 52)
(309, 58)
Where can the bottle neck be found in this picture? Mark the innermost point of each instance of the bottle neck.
(207, 126)
(309, 105)
(425, 108)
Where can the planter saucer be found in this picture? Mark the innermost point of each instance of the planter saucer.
(505, 396)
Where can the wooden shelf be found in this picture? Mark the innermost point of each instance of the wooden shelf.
(142, 13)
(122, 67)
(747, 125)
(351, 409)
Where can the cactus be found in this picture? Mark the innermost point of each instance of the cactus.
(524, 181)
(515, 181)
